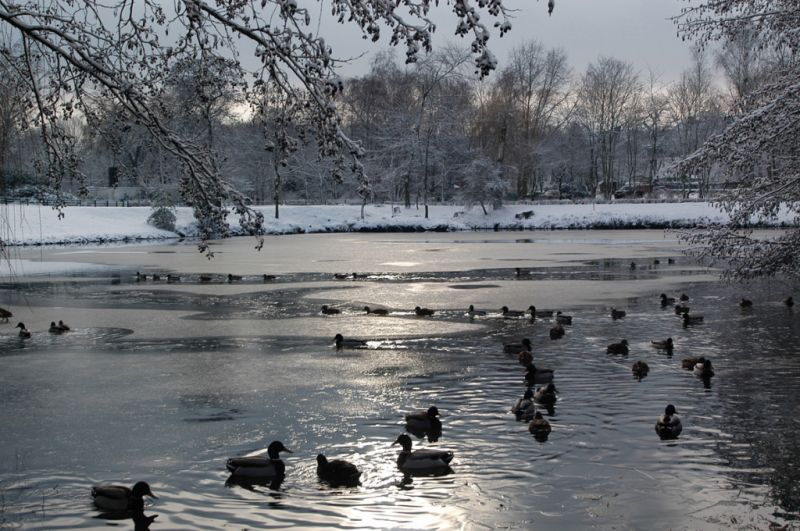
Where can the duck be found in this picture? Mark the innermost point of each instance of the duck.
(341, 276)
(789, 302)
(670, 260)
(140, 277)
(205, 278)
(24, 333)
(617, 314)
(618, 348)
(426, 461)
(633, 266)
(330, 311)
(534, 374)
(703, 369)
(691, 319)
(656, 262)
(546, 395)
(5, 314)
(681, 309)
(524, 409)
(563, 319)
(173, 278)
(522, 272)
(667, 301)
(745, 303)
(640, 369)
(63, 327)
(532, 310)
(54, 329)
(423, 312)
(668, 425)
(684, 297)
(472, 312)
(118, 499)
(376, 311)
(539, 426)
(514, 346)
(424, 421)
(268, 278)
(234, 278)
(511, 313)
(525, 357)
(337, 472)
(156, 277)
(666, 344)
(690, 363)
(341, 342)
(557, 331)
(356, 276)
(260, 467)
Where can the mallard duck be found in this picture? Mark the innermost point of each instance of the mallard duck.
(684, 297)
(205, 278)
(557, 331)
(424, 421)
(546, 395)
(63, 327)
(258, 467)
(617, 314)
(681, 309)
(788, 302)
(337, 472)
(423, 312)
(376, 311)
(422, 461)
(24, 333)
(664, 345)
(173, 278)
(563, 319)
(54, 329)
(234, 278)
(656, 262)
(326, 310)
(525, 357)
(472, 312)
(511, 313)
(539, 425)
(745, 303)
(534, 374)
(356, 276)
(691, 319)
(140, 277)
(689, 363)
(514, 346)
(341, 342)
(640, 369)
(668, 425)
(341, 276)
(156, 277)
(703, 369)
(118, 499)
(618, 348)
(521, 272)
(268, 278)
(5, 314)
(670, 260)
(667, 301)
(524, 409)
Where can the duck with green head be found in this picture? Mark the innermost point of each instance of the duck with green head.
(118, 499)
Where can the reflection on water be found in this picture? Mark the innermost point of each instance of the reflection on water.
(99, 405)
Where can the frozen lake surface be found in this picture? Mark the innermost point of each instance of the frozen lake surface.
(163, 381)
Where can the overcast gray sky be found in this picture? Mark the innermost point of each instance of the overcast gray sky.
(636, 31)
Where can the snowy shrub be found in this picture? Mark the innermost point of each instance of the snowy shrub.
(163, 218)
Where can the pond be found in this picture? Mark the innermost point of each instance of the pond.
(163, 381)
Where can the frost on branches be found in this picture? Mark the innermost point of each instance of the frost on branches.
(759, 151)
(71, 55)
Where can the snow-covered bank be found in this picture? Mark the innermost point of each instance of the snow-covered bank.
(39, 225)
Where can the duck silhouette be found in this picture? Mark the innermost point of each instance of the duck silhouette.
(337, 472)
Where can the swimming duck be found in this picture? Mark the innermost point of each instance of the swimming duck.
(426, 461)
(684, 297)
(205, 278)
(356, 276)
(511, 313)
(525, 357)
(537, 375)
(524, 344)
(24, 333)
(521, 272)
(140, 277)
(330, 311)
(640, 369)
(633, 266)
(557, 331)
(668, 425)
(173, 278)
(703, 369)
(690, 363)
(156, 276)
(376, 311)
(670, 260)
(788, 302)
(268, 278)
(692, 319)
(341, 276)
(472, 312)
(5, 314)
(337, 472)
(539, 426)
(63, 327)
(664, 345)
(618, 348)
(656, 262)
(745, 303)
(617, 314)
(341, 342)
(117, 499)
(563, 319)
(666, 301)
(532, 310)
(54, 329)
(424, 421)
(423, 312)
(258, 467)
(681, 309)
(234, 278)
(524, 409)
(546, 395)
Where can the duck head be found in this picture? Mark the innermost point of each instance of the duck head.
(433, 412)
(670, 410)
(404, 441)
(275, 448)
(142, 488)
(528, 394)
(21, 326)
(338, 338)
(505, 309)
(322, 460)
(527, 343)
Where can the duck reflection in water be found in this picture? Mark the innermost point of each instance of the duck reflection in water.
(422, 423)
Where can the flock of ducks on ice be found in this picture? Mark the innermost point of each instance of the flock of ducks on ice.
(271, 470)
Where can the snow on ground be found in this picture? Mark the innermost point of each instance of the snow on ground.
(39, 225)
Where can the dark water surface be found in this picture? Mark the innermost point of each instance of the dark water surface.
(110, 404)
